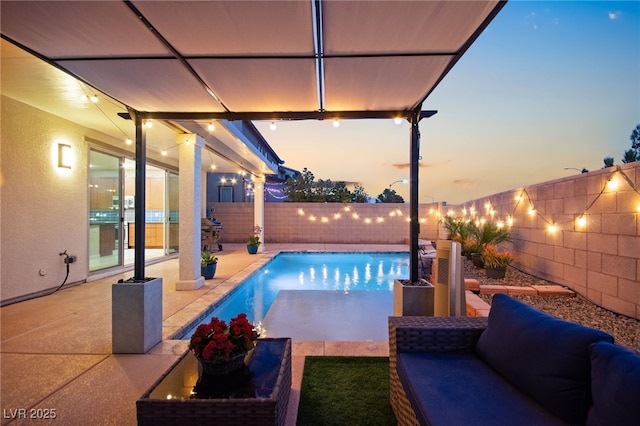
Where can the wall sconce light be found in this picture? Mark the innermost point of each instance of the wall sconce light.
(64, 155)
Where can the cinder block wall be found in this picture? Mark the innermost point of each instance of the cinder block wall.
(599, 258)
(328, 223)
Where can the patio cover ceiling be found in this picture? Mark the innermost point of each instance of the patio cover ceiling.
(253, 59)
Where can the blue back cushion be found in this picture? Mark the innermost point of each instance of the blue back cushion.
(543, 356)
(615, 386)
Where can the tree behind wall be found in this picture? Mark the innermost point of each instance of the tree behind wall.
(303, 188)
(631, 155)
(390, 196)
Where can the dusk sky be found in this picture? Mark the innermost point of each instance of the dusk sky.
(547, 85)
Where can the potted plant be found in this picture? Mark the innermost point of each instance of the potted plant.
(208, 265)
(253, 242)
(495, 261)
(221, 348)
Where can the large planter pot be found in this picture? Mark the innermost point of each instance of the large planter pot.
(252, 249)
(136, 316)
(497, 273)
(410, 299)
(208, 271)
(476, 258)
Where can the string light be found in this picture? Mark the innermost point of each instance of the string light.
(211, 127)
(272, 126)
(612, 184)
(128, 141)
(506, 220)
(336, 123)
(397, 120)
(148, 124)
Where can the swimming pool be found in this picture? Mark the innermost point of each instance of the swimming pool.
(339, 273)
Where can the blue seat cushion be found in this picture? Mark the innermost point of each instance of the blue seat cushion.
(615, 386)
(545, 357)
(460, 389)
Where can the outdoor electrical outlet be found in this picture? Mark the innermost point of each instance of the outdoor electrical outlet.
(70, 259)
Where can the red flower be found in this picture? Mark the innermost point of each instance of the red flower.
(218, 342)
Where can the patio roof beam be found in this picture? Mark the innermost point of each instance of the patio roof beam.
(280, 115)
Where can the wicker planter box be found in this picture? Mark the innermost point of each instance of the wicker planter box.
(169, 402)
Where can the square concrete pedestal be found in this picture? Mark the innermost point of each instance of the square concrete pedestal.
(412, 299)
(136, 316)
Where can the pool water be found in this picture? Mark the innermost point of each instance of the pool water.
(338, 272)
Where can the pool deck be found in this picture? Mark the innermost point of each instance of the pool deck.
(55, 351)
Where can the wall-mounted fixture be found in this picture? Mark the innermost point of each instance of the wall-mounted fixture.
(64, 155)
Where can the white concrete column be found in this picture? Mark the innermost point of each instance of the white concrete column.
(258, 208)
(190, 202)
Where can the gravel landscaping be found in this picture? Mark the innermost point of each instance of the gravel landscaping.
(625, 330)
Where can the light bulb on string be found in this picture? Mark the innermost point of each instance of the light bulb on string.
(272, 126)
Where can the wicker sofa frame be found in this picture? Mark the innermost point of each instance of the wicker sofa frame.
(426, 334)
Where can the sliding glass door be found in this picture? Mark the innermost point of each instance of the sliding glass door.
(172, 214)
(112, 211)
(105, 207)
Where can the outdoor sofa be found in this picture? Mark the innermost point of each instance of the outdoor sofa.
(519, 366)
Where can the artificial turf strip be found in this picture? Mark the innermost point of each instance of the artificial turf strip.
(345, 390)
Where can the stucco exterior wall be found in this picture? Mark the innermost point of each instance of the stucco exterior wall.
(44, 207)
